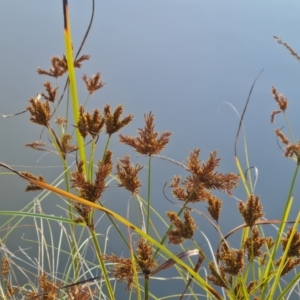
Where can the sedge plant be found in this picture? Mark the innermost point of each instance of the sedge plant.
(254, 268)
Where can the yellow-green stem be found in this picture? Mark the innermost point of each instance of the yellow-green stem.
(102, 265)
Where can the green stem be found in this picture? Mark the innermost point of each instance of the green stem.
(281, 228)
(149, 195)
(102, 265)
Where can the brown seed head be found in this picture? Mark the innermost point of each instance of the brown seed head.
(65, 146)
(147, 142)
(217, 277)
(112, 120)
(233, 260)
(214, 208)
(280, 99)
(59, 67)
(254, 244)
(88, 190)
(183, 230)
(90, 123)
(30, 186)
(289, 264)
(293, 150)
(122, 269)
(288, 47)
(78, 62)
(128, 175)
(281, 136)
(40, 112)
(144, 256)
(51, 92)
(94, 83)
(294, 249)
(251, 211)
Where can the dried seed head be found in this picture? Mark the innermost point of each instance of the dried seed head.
(147, 142)
(51, 92)
(289, 264)
(40, 112)
(122, 269)
(30, 186)
(36, 145)
(183, 230)
(217, 277)
(90, 123)
(202, 178)
(93, 191)
(112, 120)
(281, 136)
(294, 249)
(214, 208)
(5, 266)
(280, 99)
(144, 256)
(61, 121)
(59, 67)
(293, 150)
(288, 47)
(94, 83)
(65, 146)
(233, 260)
(251, 211)
(254, 244)
(128, 175)
(79, 292)
(78, 62)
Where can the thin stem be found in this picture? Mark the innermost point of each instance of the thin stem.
(102, 265)
(149, 195)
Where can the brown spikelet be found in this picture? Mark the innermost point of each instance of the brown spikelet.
(232, 260)
(88, 190)
(253, 244)
(293, 150)
(202, 179)
(147, 142)
(251, 210)
(78, 62)
(122, 269)
(217, 278)
(61, 121)
(78, 292)
(183, 229)
(128, 175)
(90, 123)
(10, 290)
(144, 256)
(93, 83)
(51, 92)
(36, 145)
(281, 136)
(280, 99)
(40, 111)
(48, 287)
(112, 120)
(59, 67)
(4, 266)
(288, 47)
(289, 264)
(214, 208)
(65, 146)
(294, 249)
(32, 187)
